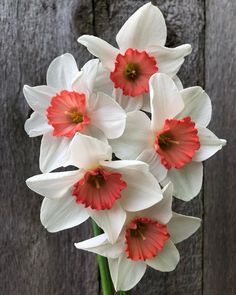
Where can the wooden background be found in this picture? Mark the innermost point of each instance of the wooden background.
(33, 32)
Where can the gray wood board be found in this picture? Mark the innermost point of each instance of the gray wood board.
(220, 180)
(33, 261)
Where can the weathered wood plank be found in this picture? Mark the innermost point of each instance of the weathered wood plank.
(32, 260)
(220, 181)
(185, 21)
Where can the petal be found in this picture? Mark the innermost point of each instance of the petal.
(178, 82)
(166, 101)
(197, 105)
(123, 164)
(142, 190)
(37, 125)
(150, 157)
(167, 259)
(136, 137)
(107, 115)
(126, 273)
(111, 221)
(86, 151)
(101, 49)
(101, 246)
(169, 60)
(62, 72)
(103, 82)
(57, 215)
(54, 185)
(209, 144)
(146, 27)
(128, 103)
(162, 211)
(181, 227)
(38, 97)
(86, 78)
(53, 152)
(187, 181)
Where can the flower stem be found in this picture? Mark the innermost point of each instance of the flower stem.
(106, 282)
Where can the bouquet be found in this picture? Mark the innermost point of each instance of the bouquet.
(131, 138)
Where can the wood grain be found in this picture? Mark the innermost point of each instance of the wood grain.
(220, 180)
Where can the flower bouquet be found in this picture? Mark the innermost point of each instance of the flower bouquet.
(132, 139)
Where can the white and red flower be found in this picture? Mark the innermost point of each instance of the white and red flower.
(102, 189)
(175, 141)
(141, 53)
(68, 104)
(148, 238)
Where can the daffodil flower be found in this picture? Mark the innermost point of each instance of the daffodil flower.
(69, 104)
(101, 188)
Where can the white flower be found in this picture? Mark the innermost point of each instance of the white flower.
(102, 189)
(141, 53)
(147, 239)
(67, 105)
(170, 142)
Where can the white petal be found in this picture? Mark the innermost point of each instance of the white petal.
(162, 211)
(169, 60)
(153, 160)
(57, 215)
(126, 273)
(209, 144)
(111, 221)
(166, 101)
(62, 72)
(107, 115)
(101, 49)
(146, 96)
(86, 151)
(187, 181)
(53, 152)
(37, 125)
(39, 97)
(181, 227)
(86, 79)
(178, 82)
(167, 259)
(103, 82)
(128, 103)
(142, 189)
(124, 164)
(146, 27)
(136, 137)
(100, 245)
(197, 105)
(54, 185)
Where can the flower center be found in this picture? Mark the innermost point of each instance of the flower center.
(144, 238)
(67, 113)
(132, 71)
(177, 142)
(75, 116)
(99, 189)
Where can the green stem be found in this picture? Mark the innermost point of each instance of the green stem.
(107, 286)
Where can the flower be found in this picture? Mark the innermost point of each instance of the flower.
(175, 141)
(148, 238)
(69, 104)
(141, 53)
(102, 189)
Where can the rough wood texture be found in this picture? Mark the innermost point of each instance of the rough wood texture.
(220, 181)
(32, 34)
